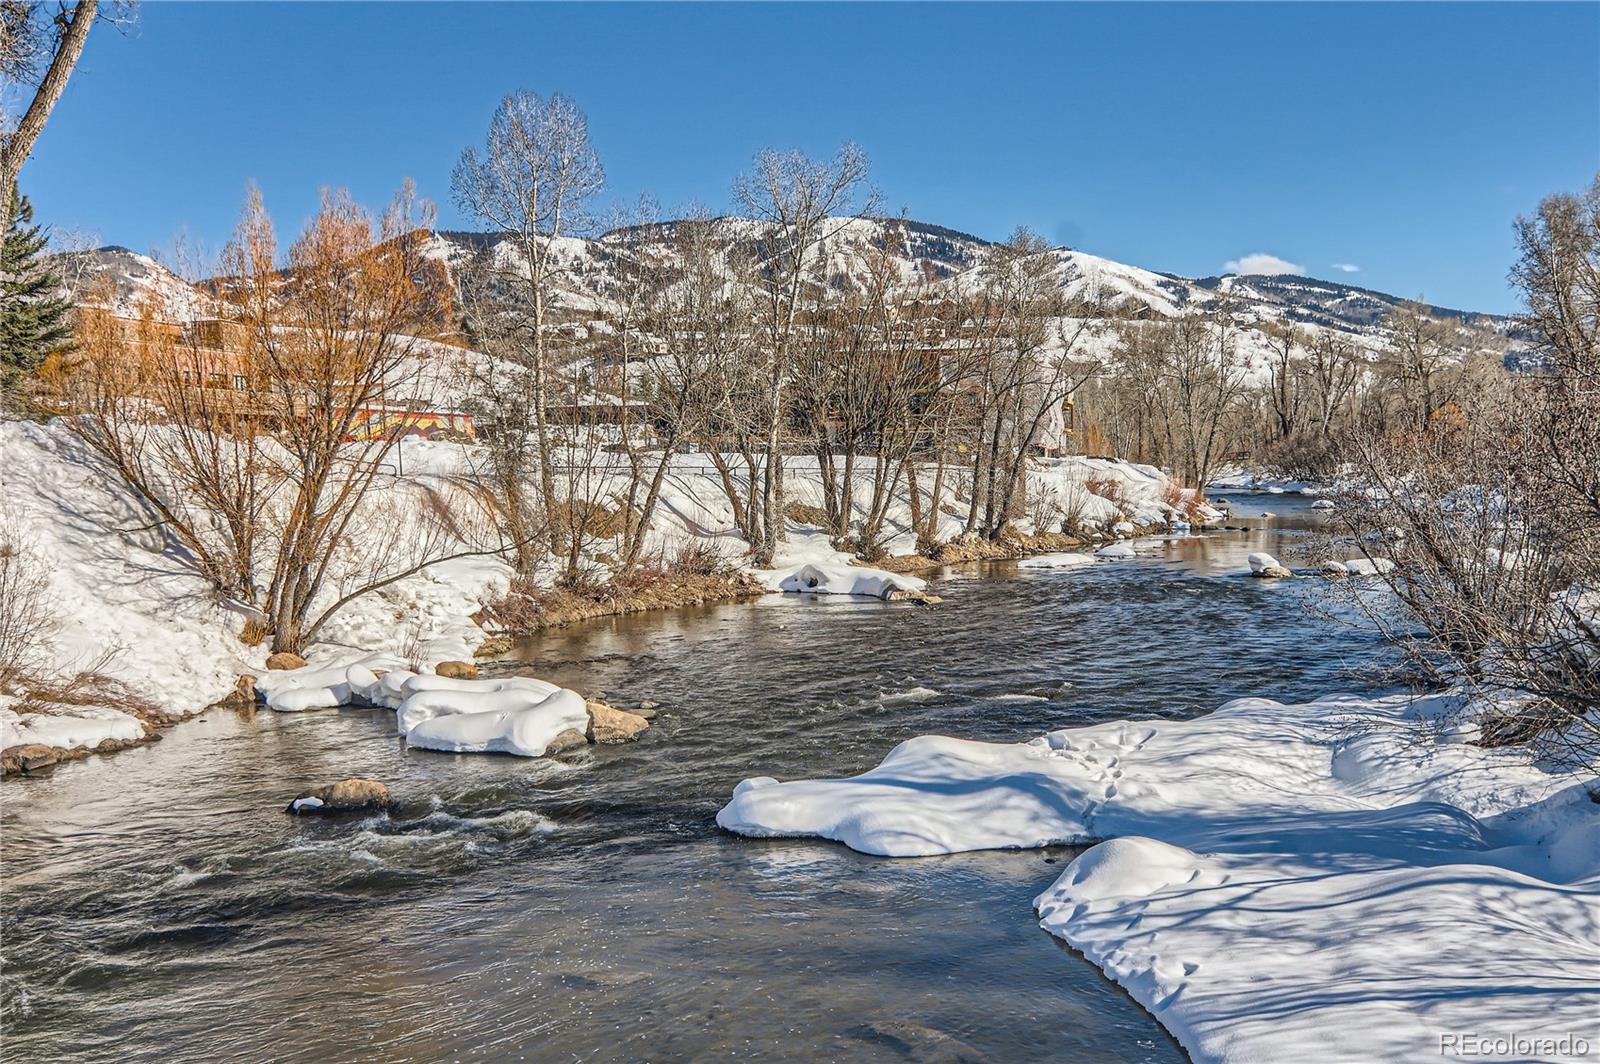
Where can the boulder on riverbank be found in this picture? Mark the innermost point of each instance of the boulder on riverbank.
(346, 796)
(285, 660)
(456, 670)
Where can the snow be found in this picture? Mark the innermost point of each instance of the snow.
(823, 578)
(128, 604)
(1260, 562)
(511, 721)
(427, 697)
(1341, 880)
(1115, 550)
(1368, 566)
(73, 727)
(344, 681)
(1065, 560)
(512, 715)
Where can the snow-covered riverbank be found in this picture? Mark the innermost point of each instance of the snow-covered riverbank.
(1343, 880)
(131, 605)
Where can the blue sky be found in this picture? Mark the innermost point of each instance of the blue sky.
(1400, 139)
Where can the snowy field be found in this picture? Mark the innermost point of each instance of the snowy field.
(1345, 880)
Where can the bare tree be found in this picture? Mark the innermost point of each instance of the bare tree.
(1493, 515)
(532, 183)
(801, 204)
(257, 440)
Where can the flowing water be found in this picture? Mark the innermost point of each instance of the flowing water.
(159, 905)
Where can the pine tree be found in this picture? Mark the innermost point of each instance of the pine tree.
(33, 313)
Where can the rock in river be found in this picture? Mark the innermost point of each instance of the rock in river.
(607, 724)
(346, 796)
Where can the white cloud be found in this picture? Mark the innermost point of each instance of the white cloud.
(1347, 267)
(1261, 262)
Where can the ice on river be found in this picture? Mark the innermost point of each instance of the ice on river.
(1340, 880)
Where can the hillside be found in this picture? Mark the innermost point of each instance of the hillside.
(926, 251)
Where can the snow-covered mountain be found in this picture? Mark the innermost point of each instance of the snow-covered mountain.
(593, 268)
(124, 280)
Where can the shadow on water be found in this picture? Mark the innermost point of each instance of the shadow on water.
(158, 904)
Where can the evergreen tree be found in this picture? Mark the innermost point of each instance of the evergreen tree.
(33, 313)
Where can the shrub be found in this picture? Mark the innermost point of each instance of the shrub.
(27, 621)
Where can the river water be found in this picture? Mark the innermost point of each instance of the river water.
(159, 905)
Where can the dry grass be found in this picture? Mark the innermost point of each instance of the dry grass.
(695, 575)
(255, 631)
(90, 688)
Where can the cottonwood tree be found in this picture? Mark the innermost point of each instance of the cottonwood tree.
(800, 205)
(1419, 351)
(1335, 366)
(1028, 361)
(691, 323)
(867, 373)
(39, 47)
(532, 183)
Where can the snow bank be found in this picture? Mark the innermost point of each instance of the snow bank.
(75, 726)
(1368, 566)
(827, 578)
(1115, 550)
(119, 586)
(1341, 880)
(510, 721)
(128, 604)
(1066, 560)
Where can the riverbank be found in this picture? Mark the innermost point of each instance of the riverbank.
(129, 606)
(1345, 879)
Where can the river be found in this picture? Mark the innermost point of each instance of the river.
(159, 905)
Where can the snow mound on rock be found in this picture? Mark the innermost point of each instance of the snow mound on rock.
(340, 682)
(83, 726)
(427, 697)
(1066, 560)
(825, 578)
(1132, 867)
(1261, 562)
(518, 722)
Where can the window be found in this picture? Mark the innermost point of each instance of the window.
(238, 382)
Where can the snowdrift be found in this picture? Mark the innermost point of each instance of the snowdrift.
(1335, 881)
